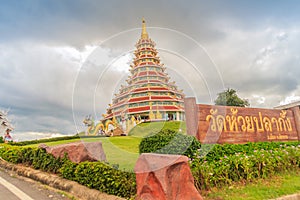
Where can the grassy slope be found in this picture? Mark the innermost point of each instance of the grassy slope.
(150, 128)
(124, 151)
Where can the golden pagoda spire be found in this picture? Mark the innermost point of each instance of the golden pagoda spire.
(144, 34)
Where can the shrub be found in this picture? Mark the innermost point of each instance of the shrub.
(1, 139)
(102, 177)
(170, 142)
(35, 157)
(245, 165)
(214, 152)
(95, 175)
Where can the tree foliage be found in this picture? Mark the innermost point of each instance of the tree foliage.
(230, 98)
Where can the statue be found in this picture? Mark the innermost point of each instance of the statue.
(103, 127)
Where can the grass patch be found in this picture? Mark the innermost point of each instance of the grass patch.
(151, 128)
(123, 151)
(269, 188)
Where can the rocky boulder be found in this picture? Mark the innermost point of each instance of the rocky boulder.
(164, 177)
(78, 151)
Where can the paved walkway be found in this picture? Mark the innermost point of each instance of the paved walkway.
(13, 187)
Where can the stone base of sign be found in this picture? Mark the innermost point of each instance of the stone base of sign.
(163, 177)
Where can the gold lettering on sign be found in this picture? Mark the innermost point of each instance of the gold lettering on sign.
(232, 120)
(276, 137)
(258, 123)
(268, 124)
(237, 123)
(221, 123)
(211, 118)
(250, 125)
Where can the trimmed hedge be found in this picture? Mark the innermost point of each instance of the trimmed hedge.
(95, 175)
(170, 142)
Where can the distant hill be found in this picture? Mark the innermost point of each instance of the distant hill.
(151, 128)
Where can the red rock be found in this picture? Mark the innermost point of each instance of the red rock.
(78, 151)
(164, 177)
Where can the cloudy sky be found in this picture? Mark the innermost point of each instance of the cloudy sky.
(61, 60)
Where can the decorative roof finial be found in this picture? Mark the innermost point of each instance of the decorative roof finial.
(144, 34)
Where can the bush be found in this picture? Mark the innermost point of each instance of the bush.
(1, 139)
(35, 157)
(95, 175)
(245, 165)
(102, 177)
(170, 142)
(214, 152)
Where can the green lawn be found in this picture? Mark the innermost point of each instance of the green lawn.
(150, 128)
(269, 188)
(119, 150)
(124, 151)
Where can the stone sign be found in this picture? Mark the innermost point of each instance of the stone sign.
(228, 124)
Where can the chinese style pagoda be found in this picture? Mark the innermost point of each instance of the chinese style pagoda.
(148, 95)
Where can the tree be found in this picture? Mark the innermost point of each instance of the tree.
(230, 98)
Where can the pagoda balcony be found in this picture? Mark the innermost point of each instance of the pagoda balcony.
(155, 108)
(139, 99)
(119, 104)
(148, 64)
(167, 108)
(163, 98)
(139, 109)
(121, 95)
(146, 56)
(145, 41)
(145, 49)
(135, 60)
(147, 81)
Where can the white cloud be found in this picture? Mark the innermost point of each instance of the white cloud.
(290, 99)
(257, 62)
(122, 63)
(259, 99)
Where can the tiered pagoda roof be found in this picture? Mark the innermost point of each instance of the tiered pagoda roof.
(148, 94)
